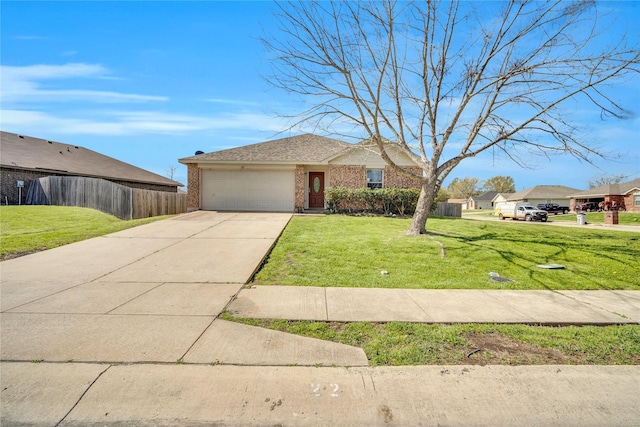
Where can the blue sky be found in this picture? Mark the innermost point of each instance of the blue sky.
(150, 82)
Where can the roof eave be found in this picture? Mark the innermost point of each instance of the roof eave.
(170, 183)
(251, 162)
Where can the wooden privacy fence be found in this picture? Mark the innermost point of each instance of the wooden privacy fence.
(448, 209)
(106, 196)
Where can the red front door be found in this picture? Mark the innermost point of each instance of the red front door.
(316, 189)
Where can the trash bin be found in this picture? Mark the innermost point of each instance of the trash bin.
(582, 218)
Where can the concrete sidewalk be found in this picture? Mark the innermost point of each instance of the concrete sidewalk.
(199, 395)
(124, 330)
(438, 306)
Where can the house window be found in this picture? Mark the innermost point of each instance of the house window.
(374, 178)
(636, 200)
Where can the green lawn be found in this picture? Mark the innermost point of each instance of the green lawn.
(624, 218)
(349, 251)
(398, 343)
(27, 229)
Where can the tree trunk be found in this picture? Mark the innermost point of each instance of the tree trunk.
(423, 207)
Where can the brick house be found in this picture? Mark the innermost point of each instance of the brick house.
(289, 174)
(626, 195)
(23, 158)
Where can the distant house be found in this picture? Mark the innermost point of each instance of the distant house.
(544, 194)
(482, 201)
(500, 198)
(289, 174)
(626, 195)
(23, 158)
(463, 202)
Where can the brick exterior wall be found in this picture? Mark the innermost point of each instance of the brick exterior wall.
(9, 189)
(350, 176)
(399, 180)
(299, 200)
(193, 187)
(628, 204)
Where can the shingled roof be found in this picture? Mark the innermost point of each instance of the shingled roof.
(544, 192)
(487, 195)
(300, 149)
(25, 152)
(610, 189)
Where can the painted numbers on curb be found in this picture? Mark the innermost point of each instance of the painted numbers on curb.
(316, 390)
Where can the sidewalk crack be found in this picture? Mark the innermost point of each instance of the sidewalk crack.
(326, 305)
(82, 395)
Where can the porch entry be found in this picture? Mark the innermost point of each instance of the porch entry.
(316, 189)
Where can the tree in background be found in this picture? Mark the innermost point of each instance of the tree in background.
(463, 188)
(447, 80)
(171, 171)
(607, 179)
(501, 184)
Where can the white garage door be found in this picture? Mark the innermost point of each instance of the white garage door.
(247, 190)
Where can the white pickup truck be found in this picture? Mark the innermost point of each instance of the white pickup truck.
(519, 210)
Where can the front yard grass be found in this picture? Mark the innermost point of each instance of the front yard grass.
(346, 251)
(28, 229)
(624, 218)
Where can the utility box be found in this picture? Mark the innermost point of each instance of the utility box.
(610, 217)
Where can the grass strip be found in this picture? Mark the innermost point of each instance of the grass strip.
(624, 218)
(401, 344)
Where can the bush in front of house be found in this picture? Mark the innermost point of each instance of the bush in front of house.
(387, 201)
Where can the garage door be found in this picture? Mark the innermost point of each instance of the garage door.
(247, 190)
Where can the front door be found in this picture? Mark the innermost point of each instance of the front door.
(316, 189)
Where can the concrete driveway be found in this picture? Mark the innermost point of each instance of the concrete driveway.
(148, 294)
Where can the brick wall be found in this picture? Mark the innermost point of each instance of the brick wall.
(350, 176)
(299, 202)
(9, 189)
(193, 187)
(399, 180)
(628, 203)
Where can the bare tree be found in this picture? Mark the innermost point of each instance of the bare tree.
(446, 81)
(171, 171)
(607, 179)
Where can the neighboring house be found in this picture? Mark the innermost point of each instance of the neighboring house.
(482, 201)
(23, 158)
(625, 194)
(544, 194)
(500, 198)
(463, 202)
(288, 174)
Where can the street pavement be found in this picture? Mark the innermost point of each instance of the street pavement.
(125, 330)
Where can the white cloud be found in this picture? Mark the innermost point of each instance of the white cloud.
(235, 102)
(24, 85)
(135, 123)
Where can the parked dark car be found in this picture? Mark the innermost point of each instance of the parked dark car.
(553, 208)
(587, 207)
